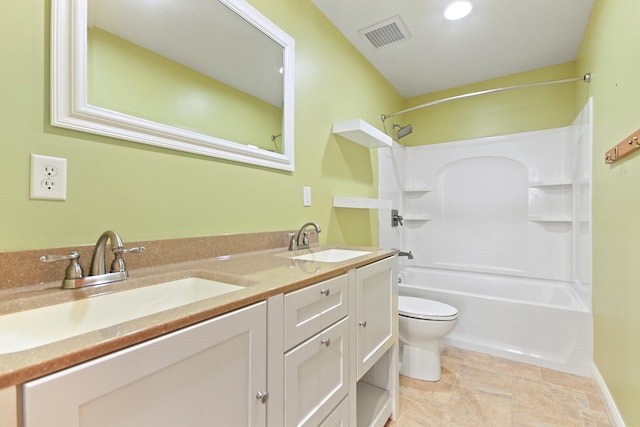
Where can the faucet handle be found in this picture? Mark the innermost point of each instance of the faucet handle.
(118, 263)
(305, 237)
(74, 269)
(293, 245)
(120, 251)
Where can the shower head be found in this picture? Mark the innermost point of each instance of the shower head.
(402, 130)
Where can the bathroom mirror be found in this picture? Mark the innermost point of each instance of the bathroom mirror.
(212, 77)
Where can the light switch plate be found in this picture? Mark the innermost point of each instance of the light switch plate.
(306, 196)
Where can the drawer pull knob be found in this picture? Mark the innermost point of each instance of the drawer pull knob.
(363, 323)
(325, 292)
(326, 342)
(262, 396)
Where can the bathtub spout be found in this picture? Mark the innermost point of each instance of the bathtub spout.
(407, 254)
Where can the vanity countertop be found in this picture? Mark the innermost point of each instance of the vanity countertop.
(262, 274)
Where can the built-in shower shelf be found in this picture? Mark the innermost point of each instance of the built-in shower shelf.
(416, 218)
(417, 190)
(361, 203)
(550, 219)
(362, 133)
(550, 183)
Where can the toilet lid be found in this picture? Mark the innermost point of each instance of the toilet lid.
(420, 308)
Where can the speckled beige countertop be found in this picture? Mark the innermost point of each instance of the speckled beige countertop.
(262, 274)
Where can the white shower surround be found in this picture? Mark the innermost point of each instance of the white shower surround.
(512, 209)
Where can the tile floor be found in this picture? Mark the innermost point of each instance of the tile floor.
(477, 389)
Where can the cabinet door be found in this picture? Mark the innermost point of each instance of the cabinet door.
(317, 376)
(197, 376)
(374, 319)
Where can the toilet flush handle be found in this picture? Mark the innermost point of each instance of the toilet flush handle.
(363, 323)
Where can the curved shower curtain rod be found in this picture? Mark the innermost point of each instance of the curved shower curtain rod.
(586, 78)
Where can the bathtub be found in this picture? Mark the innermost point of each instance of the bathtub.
(539, 322)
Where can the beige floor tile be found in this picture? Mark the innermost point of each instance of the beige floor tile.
(475, 358)
(545, 398)
(574, 382)
(525, 416)
(479, 379)
(595, 403)
(455, 352)
(403, 421)
(499, 365)
(450, 368)
(424, 391)
(595, 419)
(482, 390)
(530, 372)
(426, 413)
(477, 408)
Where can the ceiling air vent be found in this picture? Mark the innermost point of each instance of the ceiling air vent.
(386, 32)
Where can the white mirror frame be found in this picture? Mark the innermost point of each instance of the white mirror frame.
(69, 99)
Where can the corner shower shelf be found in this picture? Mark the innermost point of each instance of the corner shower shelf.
(417, 190)
(550, 183)
(361, 203)
(416, 218)
(550, 219)
(362, 133)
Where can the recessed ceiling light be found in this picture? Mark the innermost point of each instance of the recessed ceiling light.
(457, 10)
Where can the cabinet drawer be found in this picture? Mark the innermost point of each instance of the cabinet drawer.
(339, 417)
(316, 376)
(310, 310)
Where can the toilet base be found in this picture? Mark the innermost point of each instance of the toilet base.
(422, 363)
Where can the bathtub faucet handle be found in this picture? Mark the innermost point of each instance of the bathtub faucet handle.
(396, 218)
(409, 255)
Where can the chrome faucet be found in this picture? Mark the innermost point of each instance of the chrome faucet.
(295, 244)
(74, 275)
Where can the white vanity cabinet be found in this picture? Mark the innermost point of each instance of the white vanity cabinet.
(328, 352)
(196, 376)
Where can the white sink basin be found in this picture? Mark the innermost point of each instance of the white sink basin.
(32, 328)
(332, 255)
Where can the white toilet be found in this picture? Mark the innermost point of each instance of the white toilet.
(422, 324)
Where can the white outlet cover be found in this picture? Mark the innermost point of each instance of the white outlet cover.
(48, 178)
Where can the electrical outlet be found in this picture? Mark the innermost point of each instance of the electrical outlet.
(48, 178)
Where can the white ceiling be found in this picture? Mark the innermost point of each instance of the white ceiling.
(498, 38)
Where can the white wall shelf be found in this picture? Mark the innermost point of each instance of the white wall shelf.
(362, 133)
(361, 203)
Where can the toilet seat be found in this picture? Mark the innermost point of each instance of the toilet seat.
(425, 309)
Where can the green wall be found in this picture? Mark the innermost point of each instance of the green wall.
(512, 111)
(610, 51)
(145, 192)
